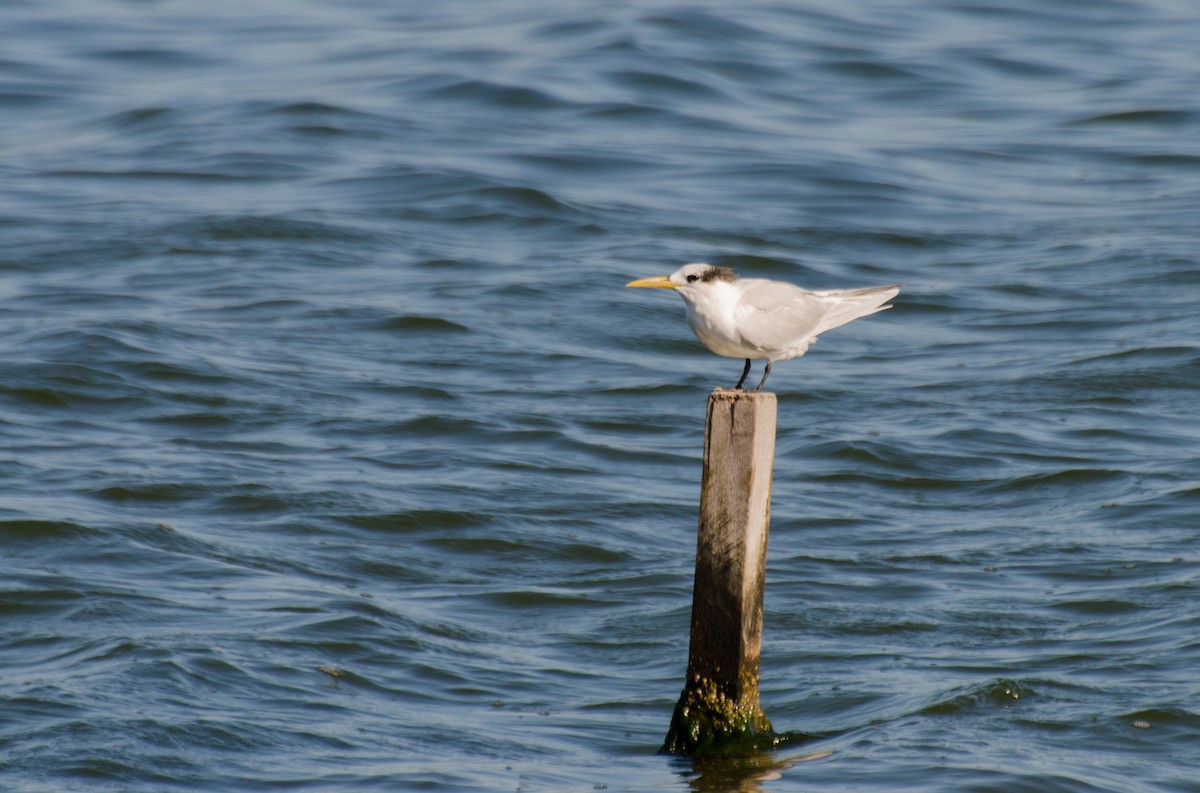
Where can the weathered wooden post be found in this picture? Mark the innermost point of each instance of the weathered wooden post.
(719, 703)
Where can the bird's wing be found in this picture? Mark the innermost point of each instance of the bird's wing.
(775, 315)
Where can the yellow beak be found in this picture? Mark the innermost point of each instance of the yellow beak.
(657, 282)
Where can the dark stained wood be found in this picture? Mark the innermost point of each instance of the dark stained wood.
(731, 552)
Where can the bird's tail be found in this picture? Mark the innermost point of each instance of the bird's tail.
(850, 304)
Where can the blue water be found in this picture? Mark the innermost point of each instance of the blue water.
(336, 456)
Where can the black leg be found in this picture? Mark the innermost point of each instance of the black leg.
(745, 372)
(767, 372)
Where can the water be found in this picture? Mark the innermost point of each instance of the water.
(336, 457)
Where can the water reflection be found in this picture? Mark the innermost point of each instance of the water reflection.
(743, 773)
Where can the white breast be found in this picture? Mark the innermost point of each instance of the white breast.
(711, 313)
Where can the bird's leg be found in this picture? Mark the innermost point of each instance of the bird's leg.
(765, 373)
(745, 372)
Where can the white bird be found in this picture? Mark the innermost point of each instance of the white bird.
(758, 318)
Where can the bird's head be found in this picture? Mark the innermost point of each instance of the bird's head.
(687, 277)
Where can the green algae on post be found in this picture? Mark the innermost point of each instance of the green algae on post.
(707, 720)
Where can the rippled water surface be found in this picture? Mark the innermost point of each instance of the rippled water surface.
(337, 457)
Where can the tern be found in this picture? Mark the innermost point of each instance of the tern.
(758, 318)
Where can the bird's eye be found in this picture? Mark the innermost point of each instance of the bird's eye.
(693, 279)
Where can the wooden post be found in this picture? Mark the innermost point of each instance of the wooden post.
(719, 703)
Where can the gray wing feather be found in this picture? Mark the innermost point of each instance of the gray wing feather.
(777, 315)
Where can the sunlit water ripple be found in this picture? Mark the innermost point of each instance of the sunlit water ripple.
(337, 458)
